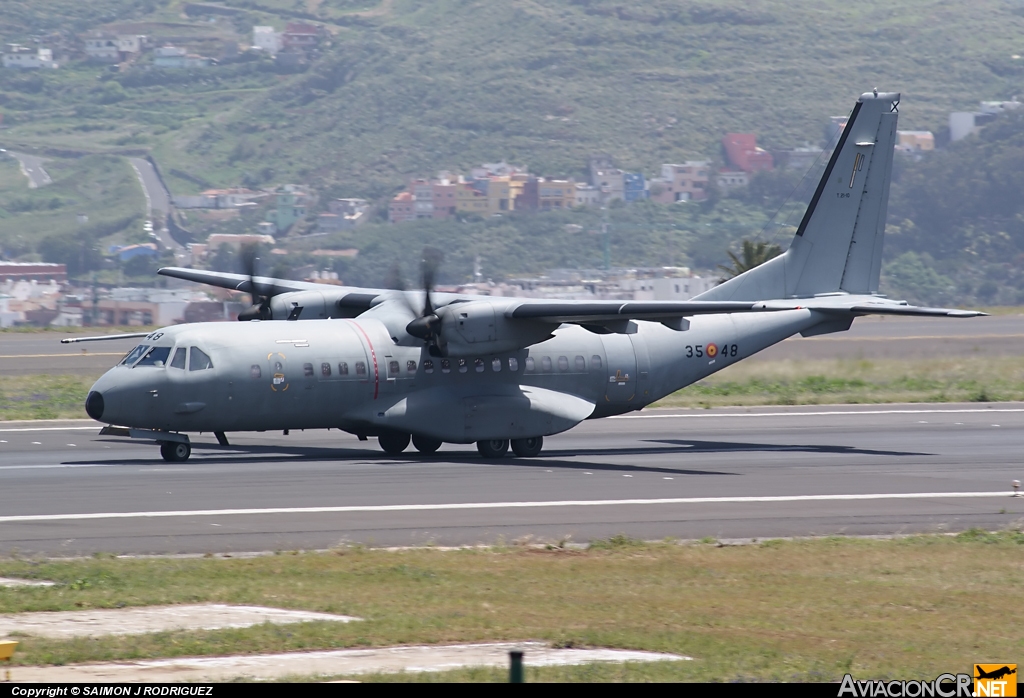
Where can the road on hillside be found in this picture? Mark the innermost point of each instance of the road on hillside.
(157, 199)
(726, 474)
(32, 167)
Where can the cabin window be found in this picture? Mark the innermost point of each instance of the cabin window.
(563, 363)
(179, 358)
(157, 356)
(325, 369)
(581, 364)
(478, 364)
(428, 366)
(393, 368)
(545, 364)
(463, 366)
(496, 365)
(360, 368)
(135, 354)
(343, 368)
(254, 371)
(410, 366)
(595, 362)
(446, 366)
(530, 365)
(307, 370)
(513, 363)
(198, 360)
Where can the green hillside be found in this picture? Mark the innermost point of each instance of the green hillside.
(408, 87)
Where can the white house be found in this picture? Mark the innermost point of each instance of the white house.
(266, 39)
(23, 58)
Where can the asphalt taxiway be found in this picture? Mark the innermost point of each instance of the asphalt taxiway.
(728, 473)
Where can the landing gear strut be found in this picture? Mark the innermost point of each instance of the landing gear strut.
(425, 445)
(175, 451)
(528, 448)
(393, 443)
(492, 448)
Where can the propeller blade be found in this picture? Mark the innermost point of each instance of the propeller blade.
(426, 327)
(432, 258)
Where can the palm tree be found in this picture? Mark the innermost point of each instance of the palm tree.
(754, 254)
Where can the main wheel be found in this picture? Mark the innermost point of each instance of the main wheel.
(175, 451)
(528, 448)
(492, 448)
(425, 445)
(393, 443)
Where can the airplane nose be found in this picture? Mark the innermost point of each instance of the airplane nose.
(94, 405)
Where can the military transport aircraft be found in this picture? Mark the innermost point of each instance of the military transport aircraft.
(436, 367)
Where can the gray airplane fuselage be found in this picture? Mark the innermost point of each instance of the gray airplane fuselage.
(350, 374)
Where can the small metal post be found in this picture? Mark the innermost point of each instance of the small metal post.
(515, 669)
(1016, 488)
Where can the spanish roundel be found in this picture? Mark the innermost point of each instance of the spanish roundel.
(712, 350)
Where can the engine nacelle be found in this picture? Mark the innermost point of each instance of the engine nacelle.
(473, 328)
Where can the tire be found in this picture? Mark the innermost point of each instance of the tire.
(393, 443)
(175, 451)
(492, 448)
(528, 448)
(425, 445)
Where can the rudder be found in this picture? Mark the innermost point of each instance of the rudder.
(838, 245)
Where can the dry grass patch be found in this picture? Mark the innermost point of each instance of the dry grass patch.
(780, 610)
(809, 382)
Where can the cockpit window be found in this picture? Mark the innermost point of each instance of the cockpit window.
(157, 356)
(179, 359)
(198, 360)
(134, 355)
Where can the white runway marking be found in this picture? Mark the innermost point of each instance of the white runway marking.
(719, 415)
(5, 431)
(498, 505)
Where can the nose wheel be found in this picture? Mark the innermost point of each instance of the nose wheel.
(175, 451)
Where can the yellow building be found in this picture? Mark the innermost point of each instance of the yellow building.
(470, 200)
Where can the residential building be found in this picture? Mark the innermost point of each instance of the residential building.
(964, 123)
(23, 58)
(729, 180)
(126, 252)
(496, 169)
(743, 153)
(102, 47)
(469, 199)
(540, 194)
(444, 198)
(290, 206)
(423, 195)
(402, 208)
(300, 36)
(915, 141)
(688, 181)
(587, 195)
(33, 271)
(610, 182)
(266, 39)
(634, 188)
(800, 159)
(237, 241)
(343, 214)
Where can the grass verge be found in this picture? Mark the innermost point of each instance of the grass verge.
(811, 382)
(779, 610)
(58, 396)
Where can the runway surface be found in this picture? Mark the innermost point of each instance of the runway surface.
(730, 473)
(869, 338)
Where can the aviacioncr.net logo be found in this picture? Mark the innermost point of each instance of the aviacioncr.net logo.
(944, 686)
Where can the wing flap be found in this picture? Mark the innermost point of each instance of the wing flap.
(597, 312)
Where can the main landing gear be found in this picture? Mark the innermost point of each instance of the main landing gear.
(395, 442)
(175, 451)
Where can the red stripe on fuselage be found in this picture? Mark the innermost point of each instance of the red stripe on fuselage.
(373, 355)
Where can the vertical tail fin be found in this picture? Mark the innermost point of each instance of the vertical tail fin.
(838, 246)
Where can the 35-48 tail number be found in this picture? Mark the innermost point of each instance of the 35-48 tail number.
(711, 350)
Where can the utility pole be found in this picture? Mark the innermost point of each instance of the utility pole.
(607, 239)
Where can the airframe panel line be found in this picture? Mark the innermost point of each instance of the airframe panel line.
(497, 505)
(718, 415)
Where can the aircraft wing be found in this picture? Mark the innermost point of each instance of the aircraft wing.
(867, 305)
(264, 285)
(609, 311)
